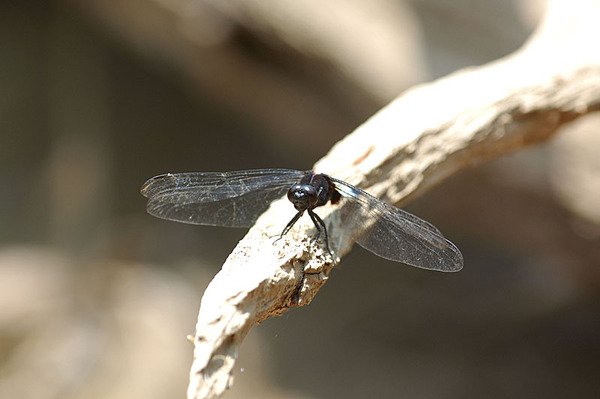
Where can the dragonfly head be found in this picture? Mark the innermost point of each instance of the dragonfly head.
(303, 196)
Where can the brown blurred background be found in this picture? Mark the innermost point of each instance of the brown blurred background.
(96, 296)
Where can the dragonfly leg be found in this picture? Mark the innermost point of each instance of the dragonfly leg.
(289, 225)
(318, 224)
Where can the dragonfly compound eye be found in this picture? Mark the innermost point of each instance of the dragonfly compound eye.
(302, 196)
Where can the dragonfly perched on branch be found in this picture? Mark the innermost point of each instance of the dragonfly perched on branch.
(236, 199)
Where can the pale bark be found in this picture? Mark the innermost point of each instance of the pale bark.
(425, 135)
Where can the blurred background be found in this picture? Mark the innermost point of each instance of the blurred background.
(97, 297)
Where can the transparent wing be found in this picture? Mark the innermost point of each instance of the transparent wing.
(396, 234)
(230, 199)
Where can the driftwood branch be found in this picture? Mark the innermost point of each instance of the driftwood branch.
(425, 135)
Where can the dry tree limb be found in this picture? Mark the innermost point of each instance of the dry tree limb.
(423, 136)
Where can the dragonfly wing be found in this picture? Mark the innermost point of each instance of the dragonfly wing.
(395, 234)
(231, 199)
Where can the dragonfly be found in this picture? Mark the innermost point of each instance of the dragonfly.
(238, 198)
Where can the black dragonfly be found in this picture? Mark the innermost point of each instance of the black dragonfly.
(236, 199)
